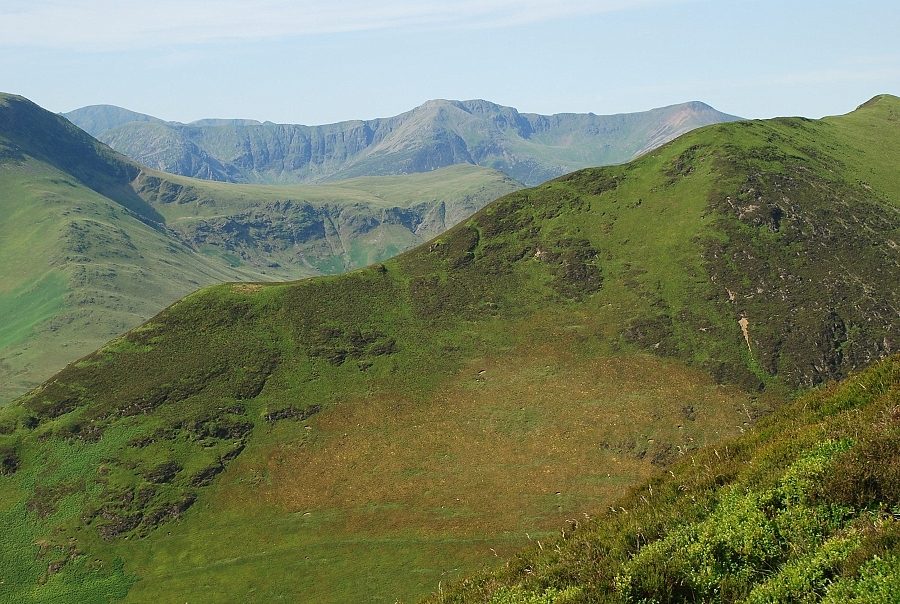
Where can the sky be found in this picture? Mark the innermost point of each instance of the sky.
(322, 61)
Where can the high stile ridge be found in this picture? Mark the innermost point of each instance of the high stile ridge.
(528, 147)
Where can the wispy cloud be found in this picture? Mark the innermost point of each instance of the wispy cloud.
(99, 25)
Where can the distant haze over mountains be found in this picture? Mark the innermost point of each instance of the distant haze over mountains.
(530, 148)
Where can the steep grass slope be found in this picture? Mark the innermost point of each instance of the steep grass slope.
(373, 435)
(83, 257)
(92, 244)
(804, 508)
(528, 147)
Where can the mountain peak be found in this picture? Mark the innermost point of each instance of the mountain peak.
(97, 119)
(698, 106)
(881, 100)
(5, 97)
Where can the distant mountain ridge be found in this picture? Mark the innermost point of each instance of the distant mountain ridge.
(528, 147)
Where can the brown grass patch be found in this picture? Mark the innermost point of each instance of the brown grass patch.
(515, 443)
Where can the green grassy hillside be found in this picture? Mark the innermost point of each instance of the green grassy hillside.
(91, 244)
(374, 435)
(528, 147)
(83, 257)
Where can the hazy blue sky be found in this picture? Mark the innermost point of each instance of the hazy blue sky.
(320, 61)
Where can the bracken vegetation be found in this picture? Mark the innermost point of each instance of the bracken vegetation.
(804, 508)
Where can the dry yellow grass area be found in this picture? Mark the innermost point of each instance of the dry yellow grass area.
(246, 288)
(516, 443)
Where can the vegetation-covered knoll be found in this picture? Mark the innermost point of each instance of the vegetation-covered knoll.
(803, 508)
(376, 434)
(528, 147)
(91, 244)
